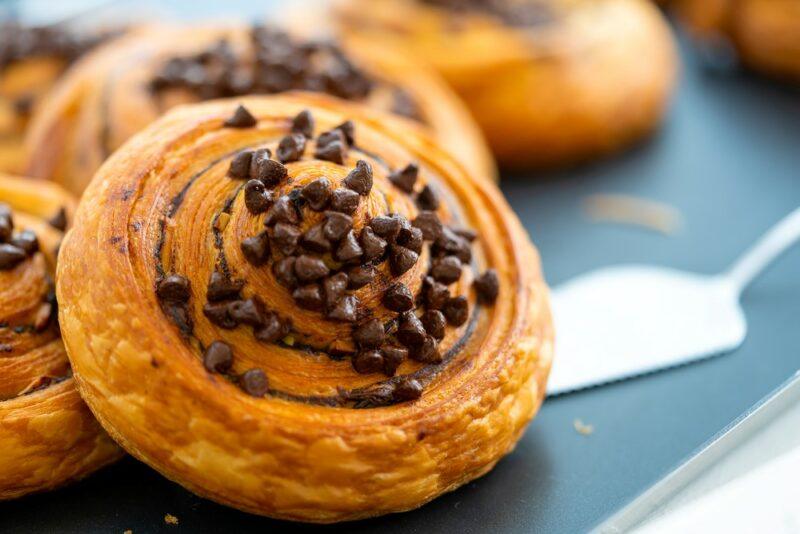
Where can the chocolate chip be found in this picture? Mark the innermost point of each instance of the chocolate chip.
(410, 332)
(59, 220)
(308, 268)
(266, 169)
(331, 136)
(221, 287)
(434, 294)
(429, 223)
(291, 148)
(386, 226)
(284, 272)
(219, 314)
(218, 357)
(344, 200)
(317, 194)
(405, 178)
(348, 250)
(254, 382)
(314, 239)
(407, 389)
(333, 152)
(456, 310)
(27, 241)
(250, 311)
(411, 238)
(334, 288)
(285, 237)
(427, 199)
(446, 270)
(348, 129)
(374, 247)
(346, 310)
(273, 328)
(368, 361)
(309, 297)
(174, 288)
(360, 178)
(303, 124)
(393, 356)
(434, 323)
(369, 335)
(427, 351)
(240, 165)
(360, 275)
(401, 259)
(398, 298)
(466, 233)
(256, 197)
(452, 244)
(6, 223)
(283, 211)
(256, 249)
(487, 287)
(337, 225)
(241, 118)
(178, 313)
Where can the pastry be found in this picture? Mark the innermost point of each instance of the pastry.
(126, 85)
(550, 81)
(31, 59)
(303, 308)
(766, 33)
(47, 435)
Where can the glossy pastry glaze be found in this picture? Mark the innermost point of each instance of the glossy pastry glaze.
(47, 435)
(549, 81)
(766, 33)
(127, 84)
(208, 360)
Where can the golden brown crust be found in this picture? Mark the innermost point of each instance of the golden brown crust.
(47, 434)
(766, 33)
(592, 78)
(287, 455)
(106, 99)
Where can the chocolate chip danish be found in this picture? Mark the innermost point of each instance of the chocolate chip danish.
(124, 86)
(47, 435)
(303, 308)
(550, 81)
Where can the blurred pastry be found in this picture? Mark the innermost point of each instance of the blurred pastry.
(550, 81)
(125, 85)
(303, 308)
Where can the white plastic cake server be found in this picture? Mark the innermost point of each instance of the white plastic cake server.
(624, 321)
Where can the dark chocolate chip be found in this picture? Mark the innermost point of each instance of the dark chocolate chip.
(220, 287)
(256, 197)
(303, 124)
(254, 382)
(174, 288)
(218, 357)
(452, 244)
(346, 310)
(6, 223)
(466, 233)
(241, 118)
(240, 165)
(427, 351)
(398, 298)
(337, 225)
(219, 314)
(348, 250)
(429, 223)
(411, 238)
(291, 148)
(284, 272)
(386, 226)
(427, 199)
(456, 310)
(368, 361)
(407, 389)
(401, 259)
(249, 312)
(59, 220)
(434, 294)
(348, 129)
(256, 249)
(393, 356)
(317, 194)
(285, 237)
(273, 328)
(334, 288)
(178, 313)
(434, 323)
(410, 332)
(331, 136)
(360, 178)
(266, 169)
(308, 268)
(283, 211)
(405, 178)
(344, 200)
(309, 297)
(333, 152)
(369, 335)
(314, 239)
(446, 270)
(374, 247)
(27, 241)
(360, 275)
(487, 287)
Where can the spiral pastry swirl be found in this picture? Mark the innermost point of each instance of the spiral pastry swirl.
(303, 308)
(125, 85)
(47, 435)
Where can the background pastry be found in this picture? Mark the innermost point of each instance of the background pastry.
(766, 33)
(549, 81)
(124, 86)
(47, 435)
(312, 311)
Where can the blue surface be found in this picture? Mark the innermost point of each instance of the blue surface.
(729, 159)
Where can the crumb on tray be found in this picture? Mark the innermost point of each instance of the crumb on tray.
(582, 428)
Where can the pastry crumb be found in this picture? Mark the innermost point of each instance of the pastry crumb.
(170, 519)
(582, 428)
(627, 209)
